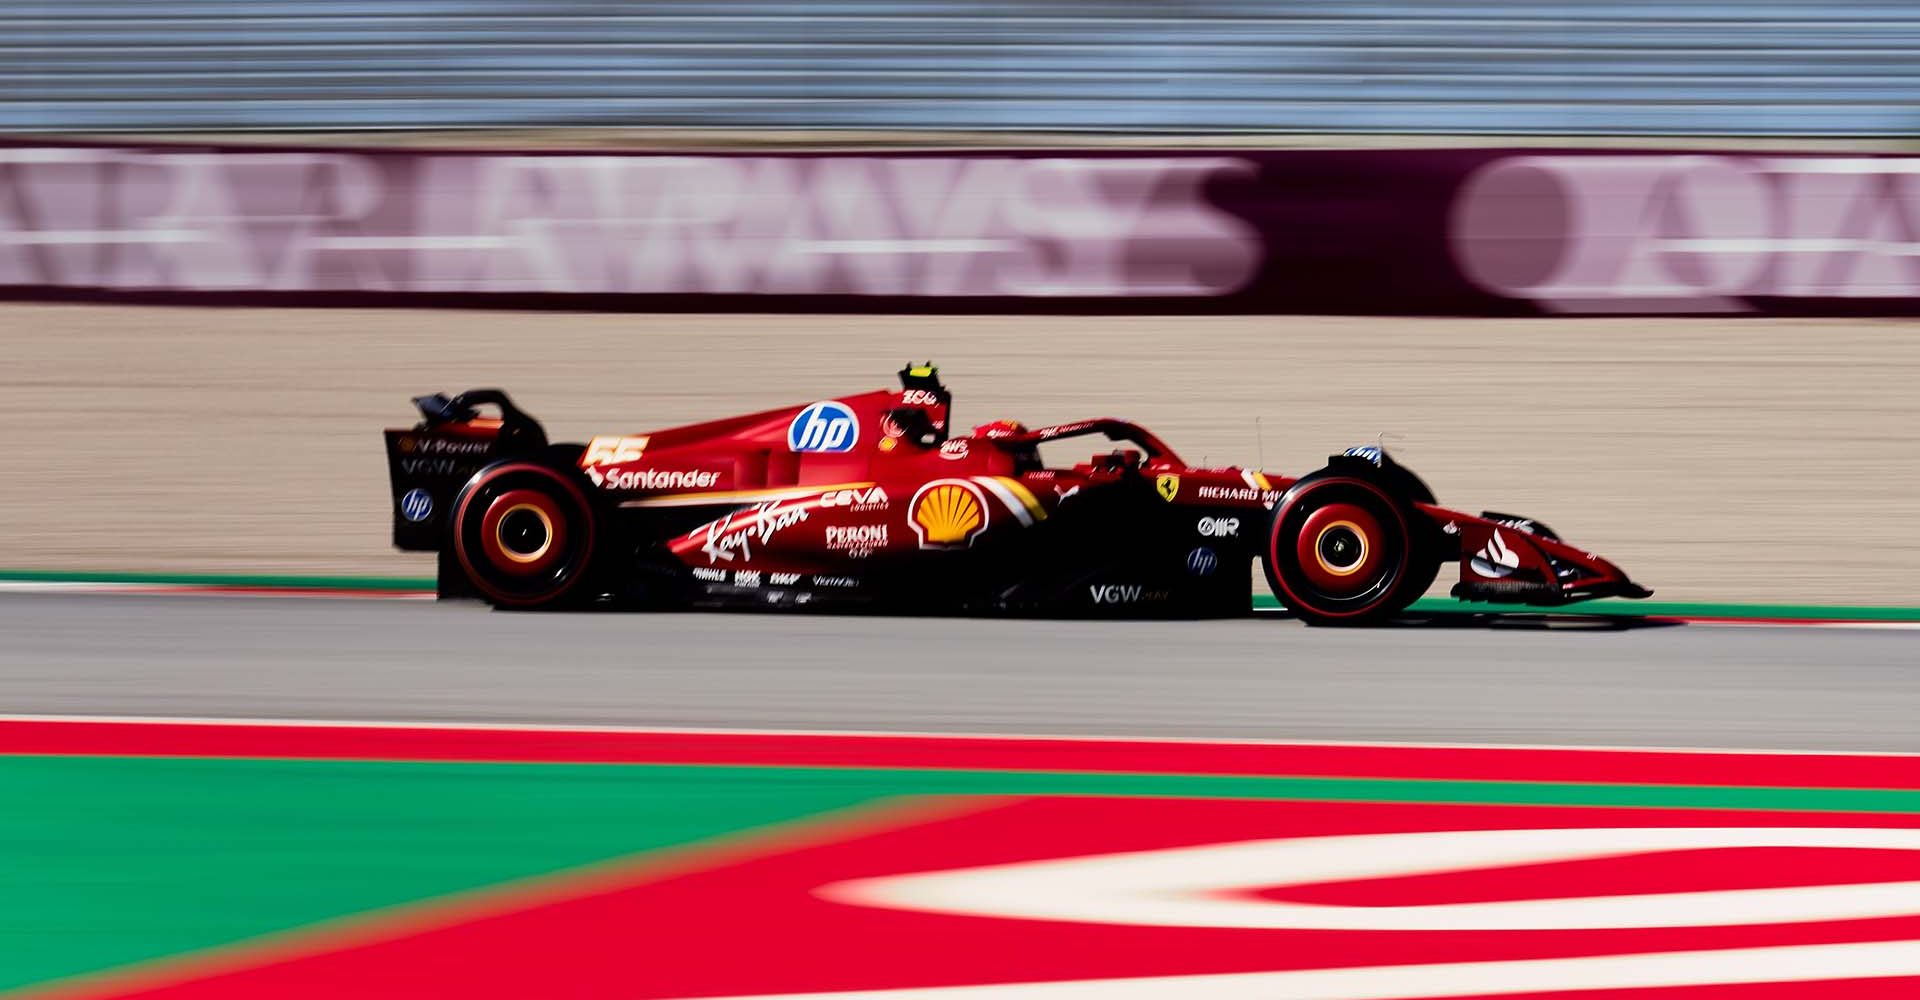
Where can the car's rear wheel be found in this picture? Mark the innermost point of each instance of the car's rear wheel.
(523, 534)
(1342, 551)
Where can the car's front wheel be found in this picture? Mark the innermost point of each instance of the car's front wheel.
(523, 533)
(1342, 551)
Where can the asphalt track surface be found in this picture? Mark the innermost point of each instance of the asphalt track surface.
(1263, 677)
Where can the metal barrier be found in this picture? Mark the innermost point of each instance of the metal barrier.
(1761, 67)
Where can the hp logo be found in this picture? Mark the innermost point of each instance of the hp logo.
(417, 505)
(1202, 562)
(828, 426)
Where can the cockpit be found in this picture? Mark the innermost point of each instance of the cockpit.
(925, 403)
(1025, 445)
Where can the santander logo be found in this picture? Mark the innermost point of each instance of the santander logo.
(1495, 559)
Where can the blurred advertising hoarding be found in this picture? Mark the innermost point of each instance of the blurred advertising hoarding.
(1471, 231)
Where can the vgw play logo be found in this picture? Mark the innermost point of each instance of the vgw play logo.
(827, 426)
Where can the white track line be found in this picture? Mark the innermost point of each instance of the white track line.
(206, 590)
(1566, 612)
(245, 590)
(536, 727)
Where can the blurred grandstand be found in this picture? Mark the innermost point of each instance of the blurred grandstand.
(1844, 68)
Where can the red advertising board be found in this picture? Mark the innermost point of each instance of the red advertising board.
(1466, 231)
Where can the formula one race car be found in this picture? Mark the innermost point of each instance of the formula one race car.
(868, 501)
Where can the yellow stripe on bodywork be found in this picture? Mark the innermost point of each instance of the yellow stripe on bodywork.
(741, 496)
(1019, 501)
(1019, 489)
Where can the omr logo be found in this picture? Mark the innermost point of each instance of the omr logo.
(828, 426)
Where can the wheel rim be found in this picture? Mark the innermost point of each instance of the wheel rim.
(523, 534)
(1338, 550)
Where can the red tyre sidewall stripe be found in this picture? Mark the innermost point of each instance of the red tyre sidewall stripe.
(1293, 600)
(466, 501)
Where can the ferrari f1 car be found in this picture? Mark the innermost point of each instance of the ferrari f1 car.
(870, 501)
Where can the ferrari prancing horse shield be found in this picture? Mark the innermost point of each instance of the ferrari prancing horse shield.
(1168, 486)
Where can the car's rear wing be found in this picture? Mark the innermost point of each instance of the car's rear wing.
(428, 463)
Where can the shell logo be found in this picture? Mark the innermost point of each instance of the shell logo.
(948, 514)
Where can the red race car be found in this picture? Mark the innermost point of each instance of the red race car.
(869, 501)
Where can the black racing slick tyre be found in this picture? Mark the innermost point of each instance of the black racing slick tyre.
(523, 534)
(1342, 550)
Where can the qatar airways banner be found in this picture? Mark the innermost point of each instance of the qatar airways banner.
(1480, 231)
